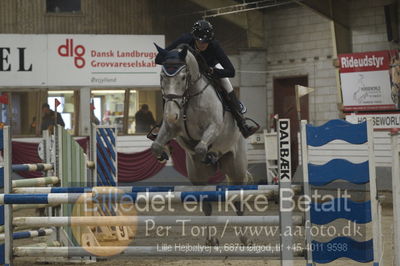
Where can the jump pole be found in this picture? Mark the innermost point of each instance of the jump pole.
(32, 167)
(152, 220)
(29, 234)
(270, 190)
(173, 197)
(33, 182)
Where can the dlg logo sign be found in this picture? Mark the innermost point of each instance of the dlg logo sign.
(77, 52)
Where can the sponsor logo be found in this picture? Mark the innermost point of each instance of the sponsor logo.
(77, 52)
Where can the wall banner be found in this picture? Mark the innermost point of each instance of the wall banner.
(379, 121)
(79, 60)
(370, 81)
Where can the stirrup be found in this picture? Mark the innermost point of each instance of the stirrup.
(246, 130)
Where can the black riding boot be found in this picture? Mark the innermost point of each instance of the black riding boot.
(234, 105)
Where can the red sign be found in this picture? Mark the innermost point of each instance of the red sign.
(360, 62)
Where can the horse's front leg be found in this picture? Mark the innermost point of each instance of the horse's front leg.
(209, 135)
(164, 135)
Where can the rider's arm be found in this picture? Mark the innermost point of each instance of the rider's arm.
(228, 70)
(185, 38)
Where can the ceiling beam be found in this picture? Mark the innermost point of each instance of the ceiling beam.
(237, 19)
(245, 7)
(336, 10)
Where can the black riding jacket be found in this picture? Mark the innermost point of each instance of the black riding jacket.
(213, 55)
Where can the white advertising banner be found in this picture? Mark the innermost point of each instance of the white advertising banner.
(23, 60)
(368, 89)
(379, 121)
(79, 60)
(366, 81)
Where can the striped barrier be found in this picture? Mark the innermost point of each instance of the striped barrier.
(29, 234)
(105, 156)
(270, 190)
(32, 167)
(26, 168)
(170, 196)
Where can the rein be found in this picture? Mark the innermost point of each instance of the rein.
(186, 96)
(185, 109)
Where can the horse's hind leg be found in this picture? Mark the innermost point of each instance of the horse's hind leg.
(198, 174)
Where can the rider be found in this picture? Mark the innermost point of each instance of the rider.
(202, 40)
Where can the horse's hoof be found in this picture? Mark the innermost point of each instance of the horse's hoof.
(201, 149)
(210, 158)
(213, 242)
(157, 148)
(163, 157)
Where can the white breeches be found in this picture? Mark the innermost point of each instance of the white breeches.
(225, 81)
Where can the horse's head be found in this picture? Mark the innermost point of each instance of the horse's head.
(179, 70)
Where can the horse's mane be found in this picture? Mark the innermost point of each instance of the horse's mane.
(203, 66)
(204, 70)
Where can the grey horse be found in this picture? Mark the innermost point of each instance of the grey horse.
(194, 115)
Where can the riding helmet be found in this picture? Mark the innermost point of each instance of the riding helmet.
(203, 31)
